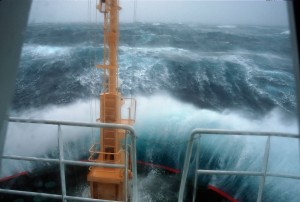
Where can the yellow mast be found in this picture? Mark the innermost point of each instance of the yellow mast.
(108, 183)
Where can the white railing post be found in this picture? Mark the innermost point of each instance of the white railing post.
(196, 174)
(265, 168)
(61, 164)
(194, 134)
(262, 174)
(134, 169)
(186, 166)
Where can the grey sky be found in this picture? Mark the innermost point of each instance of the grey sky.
(179, 11)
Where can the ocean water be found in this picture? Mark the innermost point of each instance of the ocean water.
(184, 76)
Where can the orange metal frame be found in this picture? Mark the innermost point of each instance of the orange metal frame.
(108, 183)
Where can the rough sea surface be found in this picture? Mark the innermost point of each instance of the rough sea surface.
(184, 76)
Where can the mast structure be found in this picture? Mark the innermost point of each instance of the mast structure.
(110, 9)
(109, 183)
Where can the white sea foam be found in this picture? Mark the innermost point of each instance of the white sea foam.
(169, 119)
(227, 26)
(156, 24)
(287, 32)
(41, 140)
(163, 118)
(169, 111)
(35, 50)
(156, 50)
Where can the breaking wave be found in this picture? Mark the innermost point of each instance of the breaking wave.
(184, 77)
(163, 126)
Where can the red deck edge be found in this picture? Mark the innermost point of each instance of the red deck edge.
(225, 195)
(139, 162)
(13, 176)
(159, 166)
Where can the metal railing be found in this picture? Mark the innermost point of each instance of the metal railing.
(131, 107)
(62, 162)
(95, 154)
(197, 133)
